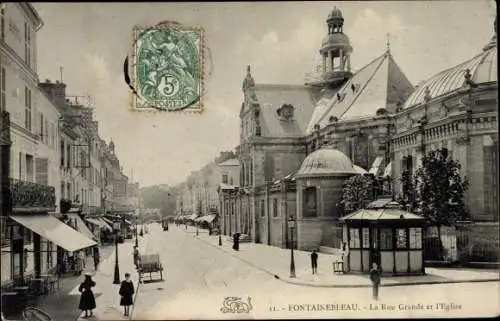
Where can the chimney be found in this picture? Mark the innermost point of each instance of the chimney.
(56, 91)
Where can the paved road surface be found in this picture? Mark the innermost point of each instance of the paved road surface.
(198, 277)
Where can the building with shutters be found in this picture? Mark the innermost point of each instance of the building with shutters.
(30, 235)
(298, 144)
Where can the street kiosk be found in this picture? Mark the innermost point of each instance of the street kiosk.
(384, 233)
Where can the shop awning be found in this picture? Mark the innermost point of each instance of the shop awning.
(55, 231)
(127, 222)
(192, 217)
(99, 223)
(81, 227)
(207, 218)
(105, 224)
(107, 221)
(376, 166)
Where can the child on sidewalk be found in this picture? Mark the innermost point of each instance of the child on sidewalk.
(126, 292)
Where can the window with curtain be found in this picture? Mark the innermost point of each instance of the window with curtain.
(275, 207)
(27, 44)
(366, 238)
(262, 208)
(386, 239)
(415, 238)
(27, 108)
(354, 238)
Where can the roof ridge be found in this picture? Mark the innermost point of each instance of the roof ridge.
(381, 57)
(366, 84)
(401, 71)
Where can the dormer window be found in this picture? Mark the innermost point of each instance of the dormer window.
(340, 96)
(333, 119)
(285, 112)
(316, 127)
(354, 87)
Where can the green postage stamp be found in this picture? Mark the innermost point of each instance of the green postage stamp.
(167, 68)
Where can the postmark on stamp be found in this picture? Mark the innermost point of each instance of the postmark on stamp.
(167, 68)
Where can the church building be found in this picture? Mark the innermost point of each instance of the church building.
(299, 143)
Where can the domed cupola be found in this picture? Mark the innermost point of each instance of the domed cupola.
(326, 161)
(335, 49)
(335, 18)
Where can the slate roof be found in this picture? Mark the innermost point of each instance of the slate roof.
(379, 84)
(483, 69)
(272, 97)
(230, 162)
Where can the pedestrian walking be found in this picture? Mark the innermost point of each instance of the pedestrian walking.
(126, 292)
(375, 274)
(136, 256)
(87, 299)
(96, 257)
(345, 256)
(236, 241)
(314, 262)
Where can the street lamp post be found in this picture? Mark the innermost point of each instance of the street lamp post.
(291, 224)
(136, 234)
(197, 232)
(220, 236)
(116, 279)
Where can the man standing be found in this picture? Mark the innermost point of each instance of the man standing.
(375, 273)
(314, 262)
(236, 241)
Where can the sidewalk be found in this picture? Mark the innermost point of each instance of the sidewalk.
(105, 292)
(276, 262)
(52, 303)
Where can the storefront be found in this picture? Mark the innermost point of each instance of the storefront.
(383, 233)
(42, 236)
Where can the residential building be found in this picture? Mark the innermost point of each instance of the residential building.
(28, 248)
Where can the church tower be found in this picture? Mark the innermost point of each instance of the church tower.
(335, 52)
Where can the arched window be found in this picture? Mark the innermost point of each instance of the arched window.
(309, 204)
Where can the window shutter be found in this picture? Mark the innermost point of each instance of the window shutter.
(42, 175)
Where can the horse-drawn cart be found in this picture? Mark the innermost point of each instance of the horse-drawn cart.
(149, 263)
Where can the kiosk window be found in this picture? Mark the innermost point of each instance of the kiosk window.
(386, 239)
(415, 238)
(366, 238)
(354, 235)
(401, 238)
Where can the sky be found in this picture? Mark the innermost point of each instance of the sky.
(280, 41)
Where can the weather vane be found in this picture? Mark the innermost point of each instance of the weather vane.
(388, 44)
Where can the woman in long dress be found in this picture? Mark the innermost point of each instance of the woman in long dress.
(87, 299)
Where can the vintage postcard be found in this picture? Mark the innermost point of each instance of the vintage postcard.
(249, 160)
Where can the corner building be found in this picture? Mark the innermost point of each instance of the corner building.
(298, 144)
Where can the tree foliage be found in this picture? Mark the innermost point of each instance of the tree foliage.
(358, 191)
(163, 198)
(409, 192)
(441, 188)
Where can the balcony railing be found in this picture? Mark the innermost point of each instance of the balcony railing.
(29, 196)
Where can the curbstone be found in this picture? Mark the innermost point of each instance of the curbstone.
(329, 285)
